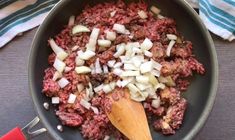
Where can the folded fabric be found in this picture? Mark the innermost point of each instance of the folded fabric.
(17, 16)
(218, 16)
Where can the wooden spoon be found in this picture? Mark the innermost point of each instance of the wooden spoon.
(129, 117)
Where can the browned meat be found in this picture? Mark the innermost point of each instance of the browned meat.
(161, 125)
(70, 119)
(170, 95)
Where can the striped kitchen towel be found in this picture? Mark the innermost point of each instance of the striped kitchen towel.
(218, 16)
(17, 16)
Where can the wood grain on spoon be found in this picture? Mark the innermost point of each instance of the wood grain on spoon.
(129, 117)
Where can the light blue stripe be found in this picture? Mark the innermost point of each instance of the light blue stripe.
(219, 11)
(215, 21)
(3, 2)
(6, 3)
(230, 2)
(25, 19)
(217, 15)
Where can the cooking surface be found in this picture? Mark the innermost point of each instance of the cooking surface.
(17, 107)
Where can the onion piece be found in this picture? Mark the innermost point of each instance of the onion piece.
(99, 88)
(119, 83)
(146, 67)
(142, 14)
(59, 65)
(159, 16)
(80, 29)
(93, 71)
(107, 88)
(171, 37)
(138, 98)
(112, 85)
(94, 34)
(160, 86)
(117, 71)
(112, 14)
(142, 79)
(120, 51)
(72, 98)
(80, 87)
(169, 47)
(63, 82)
(105, 69)
(111, 35)
(71, 20)
(56, 76)
(61, 54)
(75, 48)
(86, 55)
(95, 110)
(137, 60)
(85, 104)
(119, 28)
(67, 69)
(142, 87)
(117, 65)
(148, 54)
(91, 45)
(55, 100)
(98, 68)
(155, 10)
(91, 93)
(133, 88)
(147, 44)
(156, 73)
(104, 43)
(152, 79)
(156, 65)
(111, 63)
(137, 50)
(130, 67)
(79, 61)
(130, 73)
(126, 81)
(107, 137)
(82, 70)
(156, 103)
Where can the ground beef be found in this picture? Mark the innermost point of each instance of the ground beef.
(70, 119)
(170, 95)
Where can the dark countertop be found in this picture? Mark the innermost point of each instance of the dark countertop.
(16, 106)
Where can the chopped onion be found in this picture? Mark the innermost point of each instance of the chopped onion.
(67, 69)
(59, 65)
(119, 83)
(138, 98)
(112, 14)
(104, 43)
(99, 88)
(119, 28)
(152, 79)
(126, 81)
(107, 88)
(91, 93)
(82, 69)
(112, 85)
(117, 65)
(85, 104)
(137, 60)
(107, 137)
(111, 63)
(144, 94)
(155, 10)
(95, 110)
(156, 73)
(137, 50)
(160, 85)
(80, 29)
(169, 47)
(56, 76)
(86, 55)
(71, 20)
(61, 54)
(130, 73)
(160, 16)
(167, 80)
(72, 98)
(147, 44)
(93, 71)
(91, 45)
(132, 44)
(120, 51)
(142, 79)
(151, 91)
(130, 67)
(156, 103)
(105, 69)
(87, 96)
(63, 82)
(142, 14)
(171, 37)
(80, 87)
(55, 100)
(146, 67)
(148, 54)
(98, 68)
(95, 33)
(79, 61)
(156, 65)
(132, 88)
(142, 87)
(75, 48)
(111, 35)
(117, 71)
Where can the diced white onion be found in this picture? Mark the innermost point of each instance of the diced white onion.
(171, 37)
(151, 91)
(117, 65)
(144, 94)
(59, 65)
(98, 68)
(117, 71)
(137, 60)
(111, 63)
(112, 85)
(148, 54)
(71, 20)
(91, 45)
(82, 69)
(85, 104)
(130, 67)
(75, 48)
(67, 69)
(155, 10)
(130, 73)
(138, 98)
(142, 87)
(93, 71)
(95, 33)
(146, 67)
(147, 44)
(99, 88)
(95, 110)
(91, 93)
(126, 81)
(119, 83)
(160, 16)
(156, 65)
(80, 87)
(137, 50)
(152, 79)
(72, 98)
(119, 28)
(63, 82)
(107, 137)
(142, 14)
(104, 43)
(132, 88)
(120, 51)
(55, 100)
(80, 29)
(79, 61)
(111, 35)
(112, 14)
(156, 73)
(107, 88)
(105, 69)
(169, 47)
(160, 85)
(86, 55)
(61, 54)
(142, 79)
(56, 76)
(156, 103)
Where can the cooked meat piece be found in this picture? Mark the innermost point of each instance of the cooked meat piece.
(170, 95)
(70, 119)
(161, 125)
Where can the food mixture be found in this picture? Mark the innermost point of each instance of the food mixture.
(115, 46)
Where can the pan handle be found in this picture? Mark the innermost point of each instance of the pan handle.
(25, 133)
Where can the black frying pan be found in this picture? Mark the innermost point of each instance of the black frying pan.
(200, 95)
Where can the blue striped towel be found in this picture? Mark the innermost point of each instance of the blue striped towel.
(18, 16)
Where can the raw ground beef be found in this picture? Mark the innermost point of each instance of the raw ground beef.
(181, 65)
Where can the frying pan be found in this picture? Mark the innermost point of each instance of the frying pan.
(200, 95)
